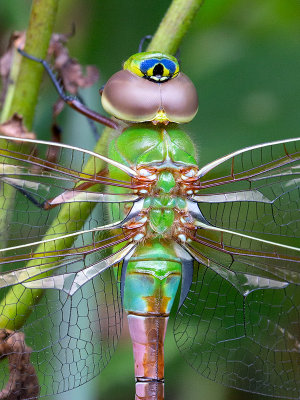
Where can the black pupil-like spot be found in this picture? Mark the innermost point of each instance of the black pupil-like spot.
(158, 70)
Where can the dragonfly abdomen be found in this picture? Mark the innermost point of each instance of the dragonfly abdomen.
(152, 279)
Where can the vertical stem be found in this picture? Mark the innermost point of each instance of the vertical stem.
(22, 100)
(41, 24)
(174, 25)
(22, 94)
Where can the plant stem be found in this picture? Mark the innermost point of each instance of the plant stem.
(26, 76)
(167, 39)
(22, 99)
(174, 25)
(26, 88)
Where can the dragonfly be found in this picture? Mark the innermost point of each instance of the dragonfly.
(144, 230)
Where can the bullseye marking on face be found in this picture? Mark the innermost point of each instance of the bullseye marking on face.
(156, 67)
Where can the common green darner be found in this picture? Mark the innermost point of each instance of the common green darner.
(159, 224)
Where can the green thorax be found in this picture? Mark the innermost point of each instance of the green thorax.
(165, 149)
(146, 144)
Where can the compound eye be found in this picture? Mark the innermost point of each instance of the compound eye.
(162, 95)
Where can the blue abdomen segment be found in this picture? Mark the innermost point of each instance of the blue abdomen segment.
(152, 279)
(151, 286)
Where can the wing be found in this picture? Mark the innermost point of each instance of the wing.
(46, 244)
(239, 324)
(33, 191)
(254, 190)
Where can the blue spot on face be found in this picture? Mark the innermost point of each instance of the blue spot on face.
(147, 64)
(151, 62)
(170, 65)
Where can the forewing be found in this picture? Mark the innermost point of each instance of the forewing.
(254, 190)
(39, 196)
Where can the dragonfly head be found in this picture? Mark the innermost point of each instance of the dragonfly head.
(156, 67)
(150, 88)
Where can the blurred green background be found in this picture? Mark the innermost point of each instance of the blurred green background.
(244, 58)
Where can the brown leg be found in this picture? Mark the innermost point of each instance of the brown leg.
(72, 101)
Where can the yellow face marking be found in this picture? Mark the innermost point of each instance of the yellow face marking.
(156, 67)
(161, 118)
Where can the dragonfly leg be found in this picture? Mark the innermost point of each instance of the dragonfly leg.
(73, 102)
(47, 204)
(31, 198)
(56, 129)
(62, 198)
(68, 195)
(142, 42)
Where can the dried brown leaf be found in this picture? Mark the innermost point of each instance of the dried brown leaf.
(22, 382)
(69, 72)
(14, 127)
(53, 152)
(17, 40)
(69, 69)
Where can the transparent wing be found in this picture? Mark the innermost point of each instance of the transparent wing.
(254, 190)
(34, 191)
(239, 324)
(249, 342)
(72, 336)
(73, 326)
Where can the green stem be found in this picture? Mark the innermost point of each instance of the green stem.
(26, 88)
(26, 76)
(22, 98)
(167, 39)
(174, 25)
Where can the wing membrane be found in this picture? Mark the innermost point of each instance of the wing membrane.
(241, 254)
(72, 337)
(254, 190)
(249, 341)
(239, 324)
(38, 195)
(77, 325)
(73, 326)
